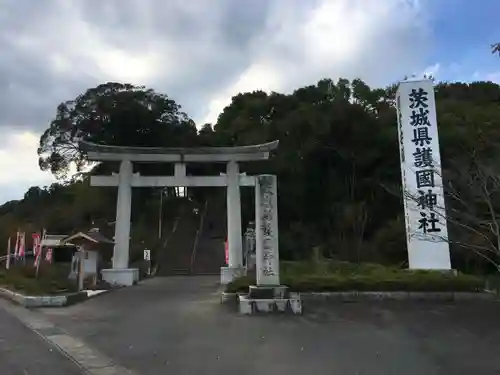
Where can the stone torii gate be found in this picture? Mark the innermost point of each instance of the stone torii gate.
(266, 219)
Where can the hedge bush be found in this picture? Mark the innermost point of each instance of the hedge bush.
(52, 279)
(327, 267)
(334, 277)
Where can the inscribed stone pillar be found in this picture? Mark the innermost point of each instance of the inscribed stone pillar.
(266, 230)
(234, 216)
(123, 210)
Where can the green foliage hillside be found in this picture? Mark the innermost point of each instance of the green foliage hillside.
(337, 166)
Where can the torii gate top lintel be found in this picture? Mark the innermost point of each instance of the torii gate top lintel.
(99, 152)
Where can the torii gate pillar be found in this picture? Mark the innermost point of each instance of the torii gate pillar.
(121, 273)
(234, 236)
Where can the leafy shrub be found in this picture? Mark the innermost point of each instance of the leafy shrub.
(326, 267)
(52, 279)
(342, 276)
(240, 284)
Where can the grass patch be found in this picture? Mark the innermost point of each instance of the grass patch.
(331, 276)
(52, 280)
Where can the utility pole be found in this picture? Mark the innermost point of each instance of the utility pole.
(160, 213)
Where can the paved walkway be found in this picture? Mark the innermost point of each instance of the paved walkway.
(177, 325)
(23, 352)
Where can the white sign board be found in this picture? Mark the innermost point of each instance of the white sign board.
(90, 262)
(147, 254)
(425, 214)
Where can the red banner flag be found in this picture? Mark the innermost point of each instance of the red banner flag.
(22, 244)
(226, 250)
(36, 247)
(16, 246)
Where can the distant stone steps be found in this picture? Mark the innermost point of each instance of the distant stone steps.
(176, 256)
(209, 257)
(179, 256)
(178, 272)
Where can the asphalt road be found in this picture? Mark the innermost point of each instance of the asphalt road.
(23, 352)
(177, 325)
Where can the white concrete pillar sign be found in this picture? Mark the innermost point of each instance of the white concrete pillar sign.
(424, 203)
(266, 229)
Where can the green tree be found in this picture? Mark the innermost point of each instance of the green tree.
(339, 149)
(327, 160)
(113, 114)
(337, 165)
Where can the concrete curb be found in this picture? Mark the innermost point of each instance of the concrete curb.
(228, 298)
(48, 301)
(43, 301)
(395, 296)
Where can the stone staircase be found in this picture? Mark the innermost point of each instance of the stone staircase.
(208, 257)
(176, 257)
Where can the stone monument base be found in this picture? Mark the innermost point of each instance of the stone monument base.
(121, 276)
(268, 299)
(228, 274)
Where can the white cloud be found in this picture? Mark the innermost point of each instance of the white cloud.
(288, 44)
(19, 158)
(432, 70)
(493, 77)
(489, 76)
(461, 72)
(75, 47)
(377, 41)
(19, 166)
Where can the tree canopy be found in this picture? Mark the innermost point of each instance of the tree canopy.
(337, 163)
(112, 114)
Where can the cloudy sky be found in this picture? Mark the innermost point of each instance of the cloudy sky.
(201, 52)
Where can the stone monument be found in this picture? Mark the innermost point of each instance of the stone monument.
(268, 295)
